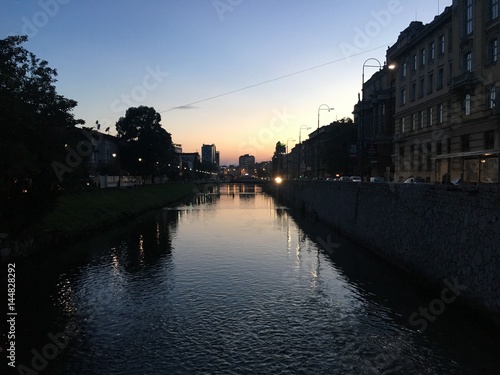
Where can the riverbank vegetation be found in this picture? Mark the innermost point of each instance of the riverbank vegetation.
(81, 211)
(79, 214)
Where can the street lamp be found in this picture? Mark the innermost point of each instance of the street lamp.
(320, 108)
(288, 155)
(361, 123)
(300, 131)
(117, 161)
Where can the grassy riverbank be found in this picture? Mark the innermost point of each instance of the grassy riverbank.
(76, 215)
(82, 211)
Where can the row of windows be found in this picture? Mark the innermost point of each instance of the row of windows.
(422, 118)
(426, 117)
(425, 55)
(420, 85)
(443, 147)
(488, 141)
(491, 101)
(468, 27)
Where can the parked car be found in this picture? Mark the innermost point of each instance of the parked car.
(414, 180)
(345, 178)
(356, 179)
(377, 179)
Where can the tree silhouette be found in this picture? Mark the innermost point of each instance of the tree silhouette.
(36, 127)
(148, 146)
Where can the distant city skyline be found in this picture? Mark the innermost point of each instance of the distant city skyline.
(243, 74)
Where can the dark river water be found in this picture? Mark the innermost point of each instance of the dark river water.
(233, 283)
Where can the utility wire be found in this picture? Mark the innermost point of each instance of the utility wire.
(270, 80)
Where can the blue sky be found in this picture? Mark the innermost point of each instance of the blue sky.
(168, 54)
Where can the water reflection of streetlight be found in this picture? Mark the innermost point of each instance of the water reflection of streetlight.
(320, 108)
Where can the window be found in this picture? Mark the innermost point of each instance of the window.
(412, 156)
(403, 96)
(430, 82)
(467, 104)
(468, 27)
(492, 97)
(428, 157)
(465, 140)
(442, 44)
(402, 158)
(489, 140)
(493, 51)
(422, 56)
(414, 62)
(414, 122)
(432, 50)
(440, 113)
(440, 79)
(493, 9)
(429, 116)
(421, 87)
(402, 125)
(419, 158)
(413, 91)
(467, 62)
(403, 69)
(421, 119)
(439, 148)
(448, 145)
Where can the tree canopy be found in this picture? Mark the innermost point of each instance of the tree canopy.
(36, 127)
(148, 149)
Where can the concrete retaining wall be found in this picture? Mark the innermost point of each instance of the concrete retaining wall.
(438, 232)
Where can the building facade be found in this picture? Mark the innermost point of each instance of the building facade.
(446, 119)
(208, 154)
(374, 116)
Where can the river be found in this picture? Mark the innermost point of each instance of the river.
(233, 283)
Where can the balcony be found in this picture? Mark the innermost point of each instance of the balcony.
(463, 82)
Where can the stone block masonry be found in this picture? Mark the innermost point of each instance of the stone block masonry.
(437, 232)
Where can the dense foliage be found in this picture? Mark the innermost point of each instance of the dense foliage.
(148, 148)
(37, 128)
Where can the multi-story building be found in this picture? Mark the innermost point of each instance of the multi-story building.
(446, 108)
(374, 115)
(246, 163)
(208, 153)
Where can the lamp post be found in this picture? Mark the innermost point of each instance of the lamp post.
(117, 161)
(288, 155)
(320, 108)
(300, 143)
(361, 122)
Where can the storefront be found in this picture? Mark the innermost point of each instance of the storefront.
(470, 167)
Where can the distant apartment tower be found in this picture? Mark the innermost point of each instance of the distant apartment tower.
(208, 153)
(447, 121)
(247, 160)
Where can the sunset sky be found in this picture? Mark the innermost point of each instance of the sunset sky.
(242, 74)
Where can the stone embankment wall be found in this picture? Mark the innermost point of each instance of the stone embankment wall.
(435, 231)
